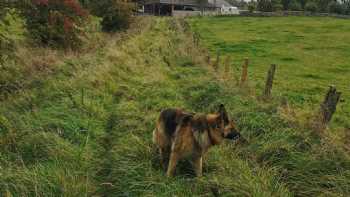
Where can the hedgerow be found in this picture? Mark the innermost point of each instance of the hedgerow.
(56, 23)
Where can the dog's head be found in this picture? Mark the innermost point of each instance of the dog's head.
(221, 127)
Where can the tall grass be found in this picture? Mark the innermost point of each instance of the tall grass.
(86, 129)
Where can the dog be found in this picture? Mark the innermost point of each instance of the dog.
(179, 134)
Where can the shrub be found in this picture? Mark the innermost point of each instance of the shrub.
(264, 5)
(285, 4)
(11, 32)
(55, 23)
(6, 43)
(277, 5)
(335, 7)
(116, 14)
(346, 7)
(295, 6)
(302, 3)
(311, 6)
(251, 6)
(322, 5)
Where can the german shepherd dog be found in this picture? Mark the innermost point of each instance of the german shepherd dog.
(179, 134)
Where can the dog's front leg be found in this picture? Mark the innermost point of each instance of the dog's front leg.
(174, 157)
(197, 164)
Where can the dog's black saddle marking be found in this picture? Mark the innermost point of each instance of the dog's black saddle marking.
(172, 118)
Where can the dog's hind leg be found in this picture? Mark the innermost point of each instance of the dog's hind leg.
(162, 143)
(174, 157)
(198, 165)
(164, 157)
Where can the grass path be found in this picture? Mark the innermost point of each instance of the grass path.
(132, 162)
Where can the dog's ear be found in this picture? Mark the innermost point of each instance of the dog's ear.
(223, 114)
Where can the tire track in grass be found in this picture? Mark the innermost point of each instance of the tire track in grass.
(130, 162)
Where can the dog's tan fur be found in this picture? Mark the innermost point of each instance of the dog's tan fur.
(179, 134)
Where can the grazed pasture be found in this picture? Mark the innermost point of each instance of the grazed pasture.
(311, 53)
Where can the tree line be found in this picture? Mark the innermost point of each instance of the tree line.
(328, 6)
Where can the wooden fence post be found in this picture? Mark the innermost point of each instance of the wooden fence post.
(208, 59)
(227, 67)
(196, 39)
(329, 105)
(269, 81)
(244, 76)
(216, 64)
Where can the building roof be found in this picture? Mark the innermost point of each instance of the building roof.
(211, 3)
(219, 3)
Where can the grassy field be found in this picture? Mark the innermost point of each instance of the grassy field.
(311, 53)
(80, 124)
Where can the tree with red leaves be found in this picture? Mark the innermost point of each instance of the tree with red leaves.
(56, 23)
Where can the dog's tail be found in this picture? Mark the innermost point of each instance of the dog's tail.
(154, 137)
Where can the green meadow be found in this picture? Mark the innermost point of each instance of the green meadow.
(311, 54)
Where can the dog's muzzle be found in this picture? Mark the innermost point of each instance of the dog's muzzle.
(233, 135)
